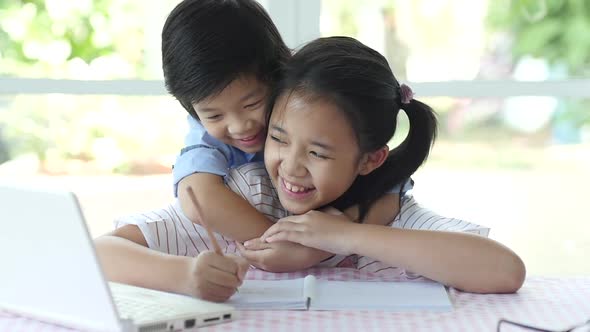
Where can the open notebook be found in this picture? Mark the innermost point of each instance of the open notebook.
(310, 293)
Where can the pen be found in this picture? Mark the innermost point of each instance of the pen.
(193, 198)
(200, 215)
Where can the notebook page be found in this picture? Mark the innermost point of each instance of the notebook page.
(270, 295)
(389, 296)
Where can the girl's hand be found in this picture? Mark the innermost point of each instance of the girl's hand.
(328, 231)
(280, 256)
(214, 277)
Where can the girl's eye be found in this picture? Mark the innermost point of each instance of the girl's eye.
(276, 139)
(214, 117)
(253, 105)
(317, 155)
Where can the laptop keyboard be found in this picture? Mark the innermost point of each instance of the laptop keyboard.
(146, 305)
(141, 310)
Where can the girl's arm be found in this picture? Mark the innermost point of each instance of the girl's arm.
(464, 261)
(125, 258)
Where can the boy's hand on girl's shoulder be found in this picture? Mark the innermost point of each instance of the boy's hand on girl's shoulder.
(280, 256)
(214, 277)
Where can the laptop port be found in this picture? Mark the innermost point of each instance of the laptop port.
(189, 323)
(212, 319)
(227, 316)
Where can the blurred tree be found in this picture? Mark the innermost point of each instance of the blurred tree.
(555, 30)
(82, 39)
(70, 39)
(342, 12)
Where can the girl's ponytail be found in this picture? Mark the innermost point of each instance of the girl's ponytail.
(401, 163)
(414, 149)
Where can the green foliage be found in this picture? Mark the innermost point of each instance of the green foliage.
(556, 30)
(45, 38)
(77, 39)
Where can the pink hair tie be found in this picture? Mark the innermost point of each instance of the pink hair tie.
(406, 94)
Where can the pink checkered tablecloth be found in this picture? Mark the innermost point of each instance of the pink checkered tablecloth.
(552, 303)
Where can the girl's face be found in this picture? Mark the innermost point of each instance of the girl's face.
(237, 115)
(311, 152)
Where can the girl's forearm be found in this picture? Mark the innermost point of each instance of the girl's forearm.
(465, 261)
(127, 262)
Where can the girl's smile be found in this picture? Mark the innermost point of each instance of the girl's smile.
(294, 191)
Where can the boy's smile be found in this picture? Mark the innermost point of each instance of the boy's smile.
(237, 115)
(250, 142)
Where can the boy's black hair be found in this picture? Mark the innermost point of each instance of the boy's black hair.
(359, 81)
(206, 44)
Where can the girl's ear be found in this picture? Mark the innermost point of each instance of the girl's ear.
(373, 160)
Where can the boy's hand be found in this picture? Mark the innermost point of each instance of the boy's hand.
(328, 231)
(280, 256)
(214, 277)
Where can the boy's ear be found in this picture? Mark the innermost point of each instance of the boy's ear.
(373, 160)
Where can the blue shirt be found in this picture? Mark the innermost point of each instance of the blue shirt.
(206, 154)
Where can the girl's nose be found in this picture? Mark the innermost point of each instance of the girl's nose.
(292, 165)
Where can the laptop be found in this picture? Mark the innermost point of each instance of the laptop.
(49, 270)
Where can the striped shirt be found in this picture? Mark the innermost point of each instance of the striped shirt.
(168, 230)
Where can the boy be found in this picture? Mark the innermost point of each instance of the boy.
(220, 59)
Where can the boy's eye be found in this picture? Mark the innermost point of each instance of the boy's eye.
(317, 155)
(214, 117)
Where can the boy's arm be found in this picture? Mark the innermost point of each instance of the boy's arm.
(227, 213)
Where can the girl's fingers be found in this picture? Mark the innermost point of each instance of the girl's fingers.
(286, 235)
(283, 226)
(224, 264)
(333, 211)
(271, 230)
(242, 264)
(223, 278)
(256, 244)
(218, 293)
(252, 256)
(246, 253)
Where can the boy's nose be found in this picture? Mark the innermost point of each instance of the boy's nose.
(240, 126)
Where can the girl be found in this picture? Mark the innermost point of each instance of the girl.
(335, 111)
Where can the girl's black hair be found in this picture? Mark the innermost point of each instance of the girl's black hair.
(359, 81)
(206, 44)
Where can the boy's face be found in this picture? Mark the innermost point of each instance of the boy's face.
(237, 115)
(311, 153)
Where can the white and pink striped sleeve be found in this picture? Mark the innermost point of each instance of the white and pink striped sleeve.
(169, 231)
(413, 216)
